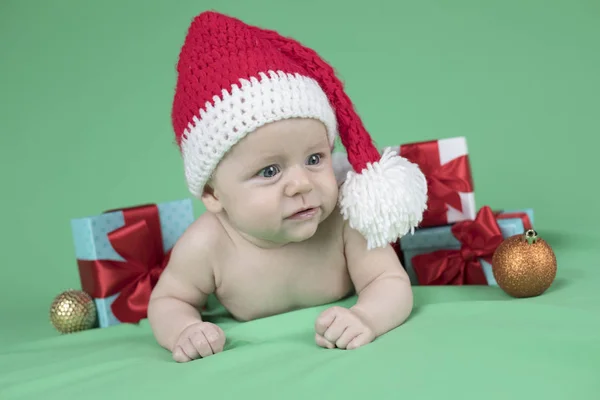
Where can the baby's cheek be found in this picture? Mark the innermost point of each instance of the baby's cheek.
(260, 207)
(333, 192)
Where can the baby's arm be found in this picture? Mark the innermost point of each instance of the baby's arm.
(182, 289)
(385, 298)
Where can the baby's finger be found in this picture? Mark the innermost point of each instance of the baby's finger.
(335, 330)
(321, 341)
(358, 341)
(201, 344)
(189, 349)
(215, 337)
(325, 320)
(346, 337)
(180, 356)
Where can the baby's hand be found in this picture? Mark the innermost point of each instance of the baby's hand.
(201, 339)
(340, 327)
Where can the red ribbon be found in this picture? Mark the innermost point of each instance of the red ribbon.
(479, 239)
(444, 181)
(139, 242)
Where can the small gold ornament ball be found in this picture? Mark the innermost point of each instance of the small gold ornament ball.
(73, 311)
(524, 265)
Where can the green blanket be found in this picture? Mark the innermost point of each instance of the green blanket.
(85, 94)
(460, 343)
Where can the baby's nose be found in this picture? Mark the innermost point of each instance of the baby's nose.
(298, 183)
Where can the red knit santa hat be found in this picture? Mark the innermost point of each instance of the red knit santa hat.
(234, 78)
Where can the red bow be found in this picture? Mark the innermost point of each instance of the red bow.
(444, 182)
(478, 239)
(139, 242)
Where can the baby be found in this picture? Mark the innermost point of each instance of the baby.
(287, 225)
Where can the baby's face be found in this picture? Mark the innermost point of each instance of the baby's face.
(273, 174)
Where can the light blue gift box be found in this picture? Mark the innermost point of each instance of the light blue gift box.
(91, 241)
(427, 240)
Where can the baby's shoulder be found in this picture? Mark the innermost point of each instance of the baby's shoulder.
(330, 231)
(339, 227)
(335, 223)
(201, 238)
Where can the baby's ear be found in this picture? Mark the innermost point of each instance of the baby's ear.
(210, 200)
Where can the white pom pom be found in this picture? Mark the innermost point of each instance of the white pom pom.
(386, 200)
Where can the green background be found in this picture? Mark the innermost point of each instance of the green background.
(86, 90)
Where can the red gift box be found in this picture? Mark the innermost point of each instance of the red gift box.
(461, 254)
(445, 164)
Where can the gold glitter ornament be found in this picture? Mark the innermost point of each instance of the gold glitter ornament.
(73, 311)
(524, 265)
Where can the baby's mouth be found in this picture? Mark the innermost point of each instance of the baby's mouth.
(304, 213)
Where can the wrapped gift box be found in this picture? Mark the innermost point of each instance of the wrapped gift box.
(121, 253)
(435, 247)
(445, 164)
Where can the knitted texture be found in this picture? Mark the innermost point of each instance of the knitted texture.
(353, 135)
(234, 77)
(230, 82)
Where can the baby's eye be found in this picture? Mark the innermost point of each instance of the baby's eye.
(314, 159)
(269, 171)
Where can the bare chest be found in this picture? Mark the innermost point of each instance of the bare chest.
(274, 282)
